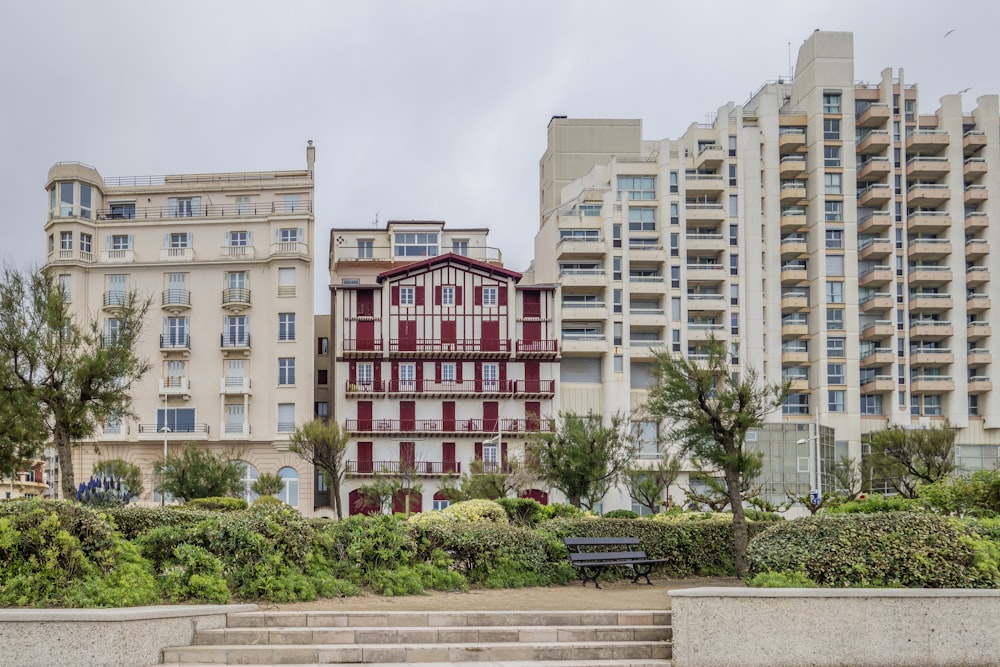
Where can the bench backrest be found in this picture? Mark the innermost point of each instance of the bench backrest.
(606, 556)
(600, 541)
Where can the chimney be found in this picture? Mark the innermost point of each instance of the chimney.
(310, 156)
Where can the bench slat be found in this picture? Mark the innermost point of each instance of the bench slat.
(608, 556)
(598, 541)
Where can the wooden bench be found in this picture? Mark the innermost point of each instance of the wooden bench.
(583, 554)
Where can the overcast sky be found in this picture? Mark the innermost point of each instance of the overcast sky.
(419, 110)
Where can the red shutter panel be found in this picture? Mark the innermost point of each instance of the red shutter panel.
(420, 376)
(352, 372)
(395, 295)
(503, 376)
(437, 295)
(394, 379)
(479, 375)
(502, 295)
(458, 371)
(478, 456)
(479, 295)
(458, 296)
(418, 295)
(377, 375)
(437, 371)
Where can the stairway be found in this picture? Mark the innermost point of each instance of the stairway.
(435, 639)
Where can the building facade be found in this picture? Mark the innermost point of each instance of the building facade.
(443, 361)
(226, 259)
(829, 232)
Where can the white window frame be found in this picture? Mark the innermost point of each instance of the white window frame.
(448, 371)
(364, 376)
(286, 327)
(286, 371)
(407, 296)
(448, 295)
(491, 377)
(490, 296)
(408, 376)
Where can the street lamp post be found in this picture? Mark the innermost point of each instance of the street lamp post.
(815, 478)
(166, 430)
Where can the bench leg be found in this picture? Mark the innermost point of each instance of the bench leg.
(642, 571)
(596, 572)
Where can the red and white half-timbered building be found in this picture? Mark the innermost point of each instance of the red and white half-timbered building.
(440, 363)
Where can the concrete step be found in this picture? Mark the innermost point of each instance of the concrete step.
(516, 663)
(399, 619)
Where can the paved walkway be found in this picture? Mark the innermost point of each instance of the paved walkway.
(611, 596)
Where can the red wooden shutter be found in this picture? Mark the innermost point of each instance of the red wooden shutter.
(437, 372)
(447, 457)
(479, 295)
(418, 295)
(377, 375)
(437, 295)
(458, 371)
(502, 295)
(449, 331)
(394, 377)
(395, 295)
(352, 372)
(458, 296)
(364, 415)
(448, 415)
(478, 456)
(420, 376)
(365, 457)
(503, 376)
(532, 412)
(479, 375)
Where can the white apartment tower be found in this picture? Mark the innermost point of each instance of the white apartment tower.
(830, 232)
(226, 259)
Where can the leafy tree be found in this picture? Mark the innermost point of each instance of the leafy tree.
(709, 408)
(850, 476)
(324, 445)
(268, 484)
(583, 458)
(61, 378)
(647, 485)
(129, 473)
(908, 457)
(198, 473)
(504, 482)
(976, 494)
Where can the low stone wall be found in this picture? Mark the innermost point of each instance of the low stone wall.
(723, 627)
(126, 637)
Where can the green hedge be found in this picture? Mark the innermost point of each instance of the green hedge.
(909, 549)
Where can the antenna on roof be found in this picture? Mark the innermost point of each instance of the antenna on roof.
(375, 221)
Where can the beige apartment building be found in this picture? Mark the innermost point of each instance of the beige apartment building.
(226, 259)
(443, 362)
(832, 233)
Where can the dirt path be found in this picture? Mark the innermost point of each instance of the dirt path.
(612, 595)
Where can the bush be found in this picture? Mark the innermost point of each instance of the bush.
(976, 495)
(359, 545)
(477, 510)
(876, 503)
(132, 521)
(621, 514)
(217, 504)
(781, 580)
(267, 500)
(526, 512)
(562, 511)
(910, 549)
(194, 574)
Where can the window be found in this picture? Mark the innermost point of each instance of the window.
(286, 417)
(365, 376)
(66, 240)
(831, 129)
(407, 296)
(366, 248)
(640, 187)
(286, 326)
(86, 243)
(673, 182)
(179, 240)
(175, 332)
(322, 376)
(120, 242)
(834, 292)
(65, 284)
(448, 295)
(238, 239)
(237, 331)
(835, 373)
(491, 377)
(836, 348)
(647, 439)
(831, 156)
(734, 295)
(249, 477)
(290, 493)
(834, 237)
(833, 184)
(183, 207)
(616, 296)
(286, 282)
(65, 200)
(732, 145)
(734, 205)
(321, 409)
(121, 210)
(675, 243)
(831, 102)
(835, 400)
(286, 370)
(616, 235)
(834, 265)
(835, 319)
(675, 213)
(408, 377)
(415, 244)
(642, 219)
(448, 372)
(242, 205)
(323, 345)
(795, 404)
(460, 247)
(619, 364)
(177, 420)
(489, 296)
(871, 404)
(616, 268)
(675, 276)
(291, 203)
(288, 235)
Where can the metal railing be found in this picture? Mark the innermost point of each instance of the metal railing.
(441, 345)
(490, 426)
(176, 428)
(175, 341)
(234, 340)
(204, 210)
(180, 297)
(240, 295)
(396, 467)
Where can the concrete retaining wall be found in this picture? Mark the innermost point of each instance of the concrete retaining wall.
(723, 627)
(127, 637)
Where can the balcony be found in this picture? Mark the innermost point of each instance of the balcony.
(534, 388)
(793, 219)
(926, 141)
(644, 252)
(115, 301)
(704, 212)
(234, 430)
(973, 141)
(875, 168)
(450, 348)
(709, 156)
(876, 276)
(584, 310)
(234, 341)
(118, 256)
(204, 210)
(792, 192)
(928, 222)
(930, 329)
(175, 342)
(930, 195)
(875, 248)
(175, 432)
(794, 274)
(931, 383)
(878, 330)
(290, 249)
(976, 248)
(876, 194)
(237, 252)
(976, 221)
(356, 348)
(705, 302)
(582, 277)
(874, 142)
(706, 273)
(583, 343)
(236, 299)
(929, 275)
(712, 243)
(928, 249)
(876, 222)
(877, 302)
(976, 276)
(977, 330)
(977, 302)
(979, 356)
(794, 302)
(792, 166)
(703, 332)
(175, 386)
(880, 356)
(791, 139)
(794, 357)
(581, 247)
(430, 468)
(794, 328)
(875, 114)
(927, 302)
(979, 384)
(704, 183)
(472, 427)
(975, 194)
(646, 317)
(537, 349)
(797, 384)
(793, 246)
(234, 386)
(927, 167)
(642, 281)
(175, 301)
(176, 254)
(878, 384)
(974, 167)
(934, 356)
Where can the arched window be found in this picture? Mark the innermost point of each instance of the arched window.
(249, 477)
(289, 494)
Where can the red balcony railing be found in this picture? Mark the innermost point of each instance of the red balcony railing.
(441, 345)
(490, 426)
(465, 387)
(395, 467)
(362, 344)
(537, 346)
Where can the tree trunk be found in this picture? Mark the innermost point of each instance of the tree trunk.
(335, 490)
(64, 448)
(573, 500)
(740, 537)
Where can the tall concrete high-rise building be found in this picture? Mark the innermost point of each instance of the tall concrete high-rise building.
(831, 233)
(226, 259)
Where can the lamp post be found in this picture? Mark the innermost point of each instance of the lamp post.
(165, 429)
(815, 478)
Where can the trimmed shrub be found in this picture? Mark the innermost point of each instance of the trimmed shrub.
(217, 504)
(781, 580)
(267, 500)
(876, 503)
(525, 512)
(477, 510)
(910, 549)
(359, 545)
(562, 511)
(621, 514)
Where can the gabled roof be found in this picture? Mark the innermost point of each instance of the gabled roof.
(449, 259)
